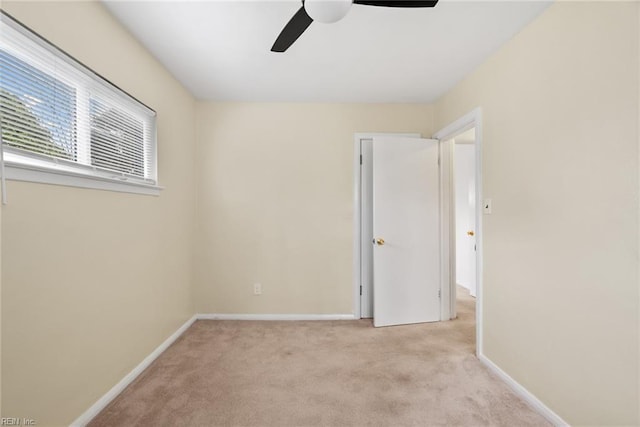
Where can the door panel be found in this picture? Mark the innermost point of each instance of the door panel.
(465, 194)
(406, 215)
(366, 218)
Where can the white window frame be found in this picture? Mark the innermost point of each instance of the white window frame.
(20, 165)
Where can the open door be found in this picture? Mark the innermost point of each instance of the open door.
(465, 215)
(406, 229)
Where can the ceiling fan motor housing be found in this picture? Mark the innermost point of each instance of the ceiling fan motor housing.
(327, 11)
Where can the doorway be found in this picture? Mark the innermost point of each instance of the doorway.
(363, 223)
(448, 287)
(457, 136)
(464, 184)
(397, 195)
(397, 176)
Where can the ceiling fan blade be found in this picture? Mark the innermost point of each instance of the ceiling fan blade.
(397, 3)
(290, 33)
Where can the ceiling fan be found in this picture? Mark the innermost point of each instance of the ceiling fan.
(329, 11)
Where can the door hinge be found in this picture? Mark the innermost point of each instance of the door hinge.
(360, 158)
(439, 293)
(360, 289)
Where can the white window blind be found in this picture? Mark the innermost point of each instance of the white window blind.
(56, 114)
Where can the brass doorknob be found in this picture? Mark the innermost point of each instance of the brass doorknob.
(470, 233)
(379, 242)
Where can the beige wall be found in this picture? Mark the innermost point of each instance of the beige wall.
(560, 106)
(275, 202)
(93, 281)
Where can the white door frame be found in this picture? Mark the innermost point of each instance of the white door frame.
(470, 120)
(357, 213)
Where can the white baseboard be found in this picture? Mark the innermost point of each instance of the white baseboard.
(525, 394)
(214, 316)
(102, 403)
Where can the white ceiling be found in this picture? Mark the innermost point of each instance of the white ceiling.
(220, 50)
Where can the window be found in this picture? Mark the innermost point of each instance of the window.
(62, 123)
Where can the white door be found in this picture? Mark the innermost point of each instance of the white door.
(365, 147)
(406, 229)
(465, 205)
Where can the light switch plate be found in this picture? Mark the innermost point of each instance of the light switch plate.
(486, 206)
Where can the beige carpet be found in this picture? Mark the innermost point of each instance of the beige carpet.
(334, 373)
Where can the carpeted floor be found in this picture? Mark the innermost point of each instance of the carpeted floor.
(334, 373)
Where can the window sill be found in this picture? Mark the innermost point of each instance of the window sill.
(32, 173)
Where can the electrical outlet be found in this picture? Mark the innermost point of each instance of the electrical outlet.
(257, 289)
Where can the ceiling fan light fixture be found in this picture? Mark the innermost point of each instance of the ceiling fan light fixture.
(327, 11)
